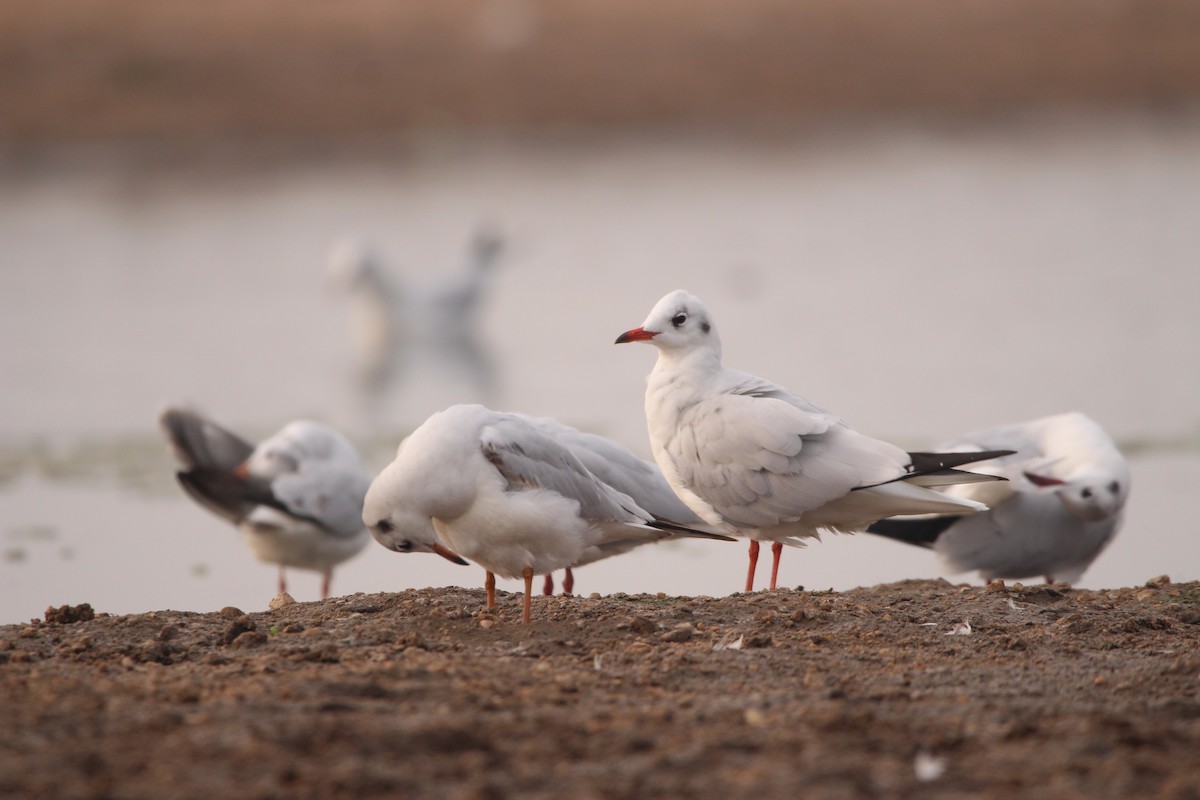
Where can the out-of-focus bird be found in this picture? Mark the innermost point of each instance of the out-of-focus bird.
(750, 457)
(391, 322)
(501, 491)
(1061, 505)
(297, 497)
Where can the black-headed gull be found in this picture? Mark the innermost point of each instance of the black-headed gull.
(297, 497)
(750, 457)
(1062, 504)
(504, 492)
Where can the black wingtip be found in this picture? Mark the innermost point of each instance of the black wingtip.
(924, 462)
(667, 525)
(922, 532)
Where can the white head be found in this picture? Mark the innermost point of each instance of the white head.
(1091, 495)
(399, 526)
(1083, 466)
(678, 323)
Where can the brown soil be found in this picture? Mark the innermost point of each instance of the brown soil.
(1052, 693)
(74, 69)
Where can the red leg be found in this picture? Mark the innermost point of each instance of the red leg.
(548, 584)
(753, 564)
(776, 554)
(282, 582)
(326, 579)
(568, 582)
(489, 583)
(527, 574)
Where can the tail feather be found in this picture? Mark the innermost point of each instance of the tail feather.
(953, 477)
(200, 442)
(219, 492)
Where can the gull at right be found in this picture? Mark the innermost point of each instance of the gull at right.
(1061, 506)
(752, 458)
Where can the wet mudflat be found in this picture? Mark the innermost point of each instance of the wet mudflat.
(919, 688)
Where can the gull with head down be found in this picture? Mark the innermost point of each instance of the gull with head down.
(506, 493)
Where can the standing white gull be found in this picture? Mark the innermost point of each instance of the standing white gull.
(297, 497)
(500, 490)
(752, 458)
(1063, 502)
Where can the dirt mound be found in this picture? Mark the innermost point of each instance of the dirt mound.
(915, 688)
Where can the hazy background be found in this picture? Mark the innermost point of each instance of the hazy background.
(930, 219)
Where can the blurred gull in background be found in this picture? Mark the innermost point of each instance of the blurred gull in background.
(296, 497)
(400, 331)
(1061, 505)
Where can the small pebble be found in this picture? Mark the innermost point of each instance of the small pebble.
(682, 632)
(280, 600)
(755, 718)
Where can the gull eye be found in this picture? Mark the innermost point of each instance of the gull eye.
(1086, 494)
(404, 547)
(678, 319)
(1114, 487)
(383, 526)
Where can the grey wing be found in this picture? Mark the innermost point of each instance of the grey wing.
(328, 493)
(622, 470)
(1028, 536)
(762, 461)
(527, 457)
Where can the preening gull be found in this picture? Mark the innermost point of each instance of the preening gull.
(502, 491)
(1062, 504)
(297, 497)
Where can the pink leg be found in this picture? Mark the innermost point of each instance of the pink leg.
(527, 574)
(568, 582)
(753, 564)
(326, 579)
(548, 584)
(776, 554)
(282, 582)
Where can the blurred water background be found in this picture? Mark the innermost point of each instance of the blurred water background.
(922, 274)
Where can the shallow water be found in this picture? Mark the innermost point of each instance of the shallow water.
(921, 280)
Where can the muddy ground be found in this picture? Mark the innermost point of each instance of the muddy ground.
(914, 689)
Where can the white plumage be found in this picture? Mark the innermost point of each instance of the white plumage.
(296, 497)
(755, 459)
(504, 491)
(1060, 507)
